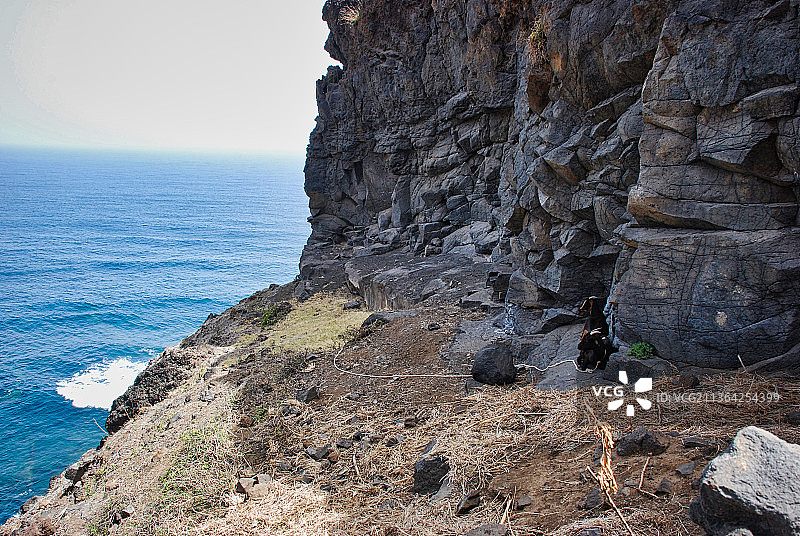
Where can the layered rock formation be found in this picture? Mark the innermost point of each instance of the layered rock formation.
(644, 151)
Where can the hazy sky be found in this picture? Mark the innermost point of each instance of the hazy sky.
(173, 74)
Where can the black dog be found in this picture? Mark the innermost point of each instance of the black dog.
(595, 346)
(597, 320)
(595, 351)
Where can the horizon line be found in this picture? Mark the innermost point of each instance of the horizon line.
(153, 149)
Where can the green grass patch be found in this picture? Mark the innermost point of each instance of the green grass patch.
(642, 350)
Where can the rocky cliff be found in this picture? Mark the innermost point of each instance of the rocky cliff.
(644, 151)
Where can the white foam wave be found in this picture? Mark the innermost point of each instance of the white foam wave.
(100, 384)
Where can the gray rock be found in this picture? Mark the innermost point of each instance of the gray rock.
(470, 501)
(793, 417)
(523, 501)
(686, 469)
(429, 472)
(686, 381)
(489, 530)
(594, 499)
(695, 442)
(318, 453)
(344, 443)
(637, 368)
(751, 276)
(352, 304)
(306, 396)
(752, 485)
(664, 487)
(681, 115)
(494, 365)
(244, 484)
(642, 442)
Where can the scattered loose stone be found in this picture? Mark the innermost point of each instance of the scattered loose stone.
(395, 440)
(695, 442)
(258, 491)
(686, 381)
(489, 530)
(352, 304)
(206, 396)
(642, 441)
(445, 490)
(410, 422)
(429, 471)
(752, 485)
(263, 478)
(593, 499)
(244, 484)
(307, 395)
(318, 453)
(429, 447)
(793, 417)
(664, 487)
(284, 466)
(686, 469)
(472, 500)
(524, 501)
(333, 457)
(344, 443)
(433, 326)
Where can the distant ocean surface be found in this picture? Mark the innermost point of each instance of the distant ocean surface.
(105, 259)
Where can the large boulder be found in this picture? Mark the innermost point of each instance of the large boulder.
(494, 365)
(753, 485)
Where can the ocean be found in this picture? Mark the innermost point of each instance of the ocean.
(106, 259)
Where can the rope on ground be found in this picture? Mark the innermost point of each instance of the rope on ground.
(391, 376)
(557, 364)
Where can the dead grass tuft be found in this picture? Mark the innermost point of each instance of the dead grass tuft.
(317, 324)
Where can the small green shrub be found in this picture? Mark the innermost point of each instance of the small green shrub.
(538, 38)
(274, 313)
(642, 350)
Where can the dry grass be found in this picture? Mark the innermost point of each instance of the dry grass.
(500, 441)
(492, 433)
(317, 324)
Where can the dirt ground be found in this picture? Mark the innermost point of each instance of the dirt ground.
(343, 463)
(505, 443)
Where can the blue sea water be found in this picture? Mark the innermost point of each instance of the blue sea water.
(105, 259)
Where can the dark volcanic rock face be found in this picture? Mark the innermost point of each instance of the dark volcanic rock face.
(161, 376)
(643, 151)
